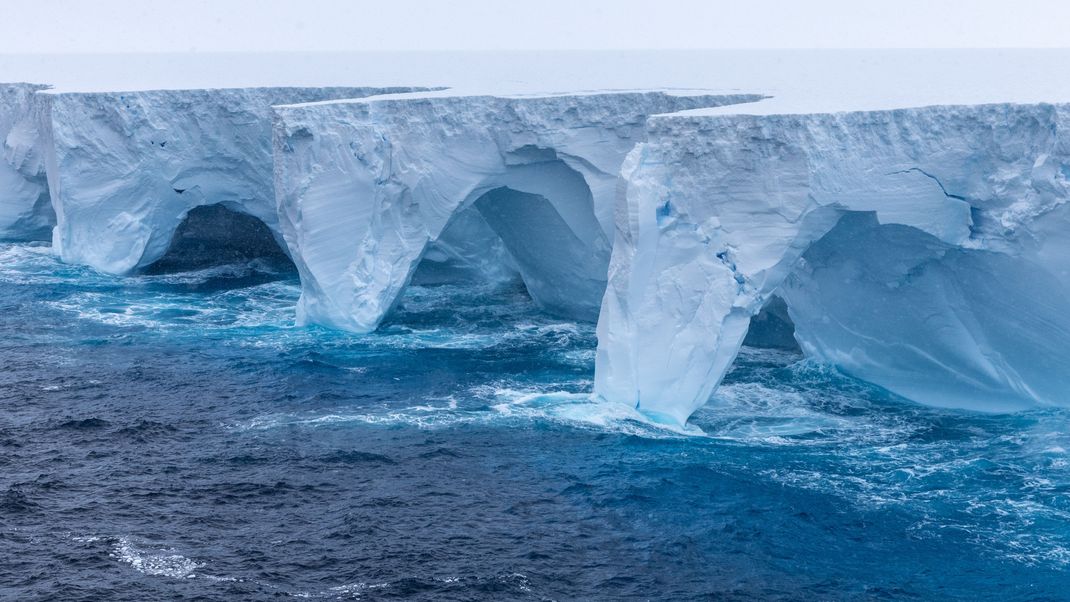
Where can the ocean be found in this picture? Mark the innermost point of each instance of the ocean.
(175, 436)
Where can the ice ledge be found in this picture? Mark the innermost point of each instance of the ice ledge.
(787, 105)
(470, 94)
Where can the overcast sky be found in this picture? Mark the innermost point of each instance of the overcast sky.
(47, 26)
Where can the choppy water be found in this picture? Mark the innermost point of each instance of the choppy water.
(173, 437)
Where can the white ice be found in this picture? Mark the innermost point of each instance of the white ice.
(124, 168)
(920, 249)
(367, 187)
(25, 210)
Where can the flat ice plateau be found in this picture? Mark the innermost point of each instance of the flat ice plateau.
(909, 208)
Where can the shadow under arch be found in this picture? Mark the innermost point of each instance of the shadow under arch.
(772, 327)
(934, 322)
(217, 234)
(536, 220)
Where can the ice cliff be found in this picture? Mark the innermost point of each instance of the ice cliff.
(921, 249)
(125, 168)
(25, 211)
(924, 250)
(368, 188)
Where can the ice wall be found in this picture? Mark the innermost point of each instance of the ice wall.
(924, 250)
(25, 211)
(124, 168)
(365, 188)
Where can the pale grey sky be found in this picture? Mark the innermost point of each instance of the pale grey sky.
(49, 26)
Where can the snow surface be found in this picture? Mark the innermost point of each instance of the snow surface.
(124, 168)
(809, 80)
(365, 187)
(923, 250)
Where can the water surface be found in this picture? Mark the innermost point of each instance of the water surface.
(175, 437)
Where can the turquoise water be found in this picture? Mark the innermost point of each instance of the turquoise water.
(175, 437)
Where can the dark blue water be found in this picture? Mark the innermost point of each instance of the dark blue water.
(173, 437)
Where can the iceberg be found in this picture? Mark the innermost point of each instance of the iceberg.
(368, 188)
(125, 168)
(921, 249)
(25, 210)
(873, 212)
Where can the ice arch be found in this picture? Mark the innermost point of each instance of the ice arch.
(921, 249)
(542, 215)
(124, 168)
(366, 187)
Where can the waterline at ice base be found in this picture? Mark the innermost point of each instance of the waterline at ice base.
(510, 328)
(895, 238)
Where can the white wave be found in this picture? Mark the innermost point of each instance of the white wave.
(34, 263)
(506, 407)
(756, 413)
(584, 410)
(156, 563)
(434, 339)
(170, 311)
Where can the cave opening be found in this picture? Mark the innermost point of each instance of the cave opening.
(215, 235)
(558, 248)
(468, 252)
(772, 327)
(534, 226)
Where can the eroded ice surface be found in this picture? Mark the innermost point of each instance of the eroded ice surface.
(25, 211)
(366, 187)
(124, 168)
(920, 249)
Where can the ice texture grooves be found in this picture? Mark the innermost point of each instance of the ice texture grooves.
(25, 210)
(923, 250)
(365, 187)
(124, 168)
